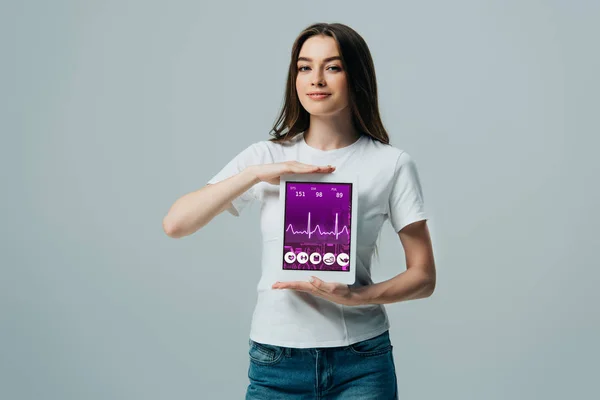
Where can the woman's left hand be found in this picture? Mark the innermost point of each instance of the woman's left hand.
(337, 292)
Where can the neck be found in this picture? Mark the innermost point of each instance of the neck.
(331, 132)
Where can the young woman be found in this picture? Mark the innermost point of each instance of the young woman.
(318, 340)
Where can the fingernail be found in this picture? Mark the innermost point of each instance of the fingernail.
(311, 279)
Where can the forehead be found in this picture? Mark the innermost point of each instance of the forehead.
(319, 47)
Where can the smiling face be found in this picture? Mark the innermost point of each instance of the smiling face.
(320, 70)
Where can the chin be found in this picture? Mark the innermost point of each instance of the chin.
(325, 112)
(324, 109)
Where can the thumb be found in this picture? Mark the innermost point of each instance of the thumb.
(318, 283)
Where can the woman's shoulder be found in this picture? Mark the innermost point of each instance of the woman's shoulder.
(385, 152)
(268, 150)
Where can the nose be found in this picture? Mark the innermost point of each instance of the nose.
(318, 80)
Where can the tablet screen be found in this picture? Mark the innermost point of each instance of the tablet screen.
(317, 228)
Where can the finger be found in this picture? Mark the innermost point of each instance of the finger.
(327, 169)
(301, 164)
(302, 167)
(321, 285)
(310, 165)
(316, 168)
(296, 285)
(307, 170)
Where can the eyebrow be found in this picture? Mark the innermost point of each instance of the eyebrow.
(325, 59)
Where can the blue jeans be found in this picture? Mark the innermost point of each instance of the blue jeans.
(363, 370)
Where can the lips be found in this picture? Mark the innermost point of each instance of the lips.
(317, 96)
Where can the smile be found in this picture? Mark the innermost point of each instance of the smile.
(318, 96)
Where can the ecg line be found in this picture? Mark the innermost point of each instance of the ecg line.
(309, 232)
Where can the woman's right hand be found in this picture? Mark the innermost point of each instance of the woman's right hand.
(270, 173)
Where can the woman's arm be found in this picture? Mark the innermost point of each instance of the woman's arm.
(418, 281)
(196, 209)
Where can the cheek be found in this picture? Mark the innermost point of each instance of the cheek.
(299, 88)
(341, 90)
(302, 81)
(341, 85)
(338, 84)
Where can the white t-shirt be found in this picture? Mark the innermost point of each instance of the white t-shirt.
(388, 189)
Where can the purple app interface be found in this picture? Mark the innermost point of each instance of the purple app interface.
(317, 226)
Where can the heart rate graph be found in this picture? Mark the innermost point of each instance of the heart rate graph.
(309, 232)
(317, 223)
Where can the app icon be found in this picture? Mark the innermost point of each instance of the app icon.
(302, 257)
(343, 259)
(290, 257)
(315, 258)
(329, 258)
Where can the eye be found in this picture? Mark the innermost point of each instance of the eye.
(336, 68)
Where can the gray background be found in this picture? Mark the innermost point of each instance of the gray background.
(111, 110)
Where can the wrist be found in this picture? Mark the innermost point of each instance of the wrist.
(360, 295)
(250, 173)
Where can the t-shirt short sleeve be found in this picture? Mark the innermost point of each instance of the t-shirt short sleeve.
(251, 155)
(406, 203)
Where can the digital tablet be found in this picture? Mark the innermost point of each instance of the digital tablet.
(319, 228)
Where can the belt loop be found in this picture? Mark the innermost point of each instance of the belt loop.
(288, 352)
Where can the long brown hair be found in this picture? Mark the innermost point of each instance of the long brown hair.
(362, 85)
